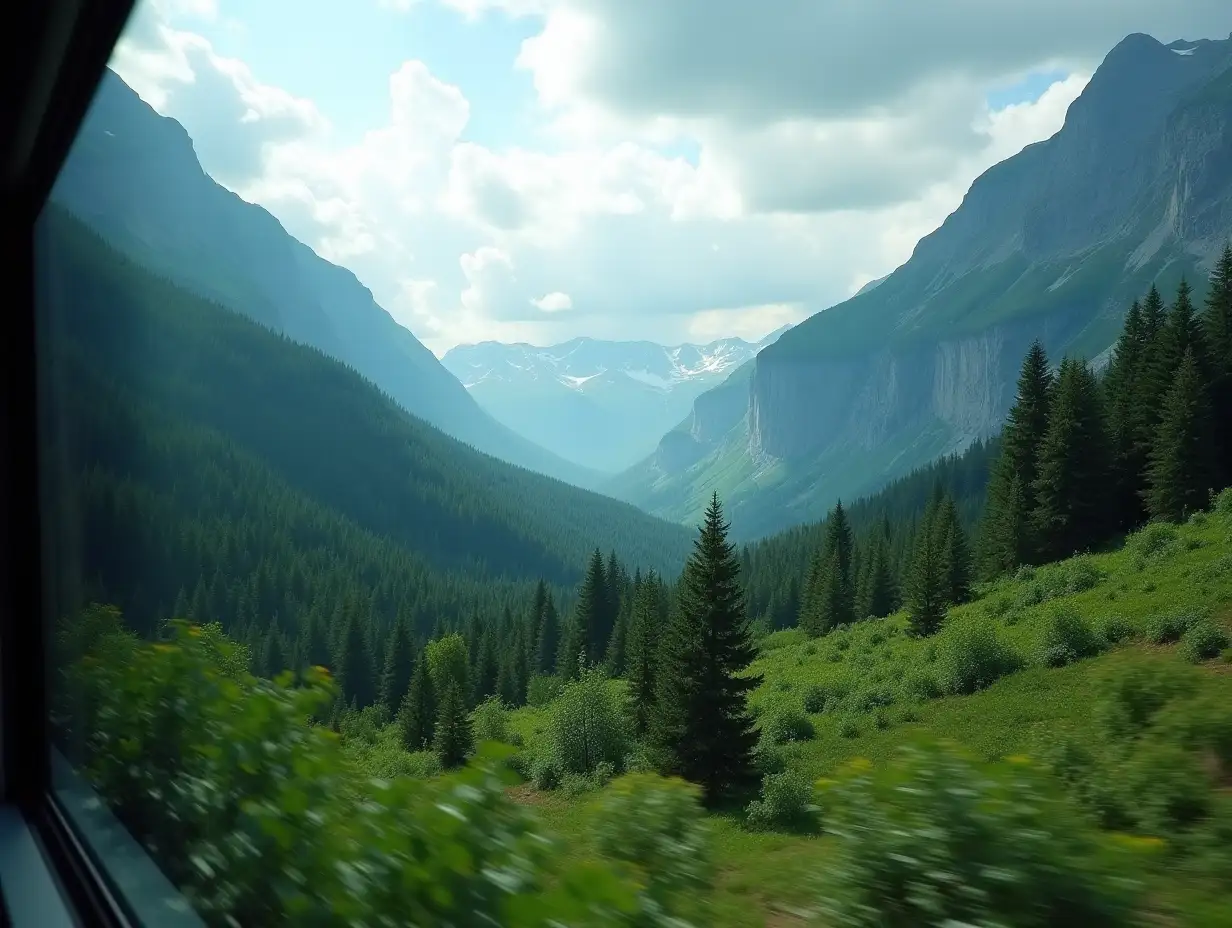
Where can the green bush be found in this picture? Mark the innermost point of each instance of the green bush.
(786, 802)
(1153, 542)
(919, 684)
(767, 758)
(1222, 503)
(848, 727)
(654, 829)
(1203, 640)
(935, 839)
(587, 725)
(1130, 695)
(869, 698)
(1168, 627)
(785, 724)
(1167, 788)
(490, 721)
(545, 772)
(1115, 628)
(972, 656)
(1068, 637)
(260, 820)
(815, 699)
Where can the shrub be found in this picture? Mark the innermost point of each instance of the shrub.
(785, 724)
(1170, 626)
(1153, 542)
(655, 829)
(298, 837)
(490, 721)
(545, 772)
(1222, 502)
(586, 725)
(767, 758)
(1203, 640)
(786, 802)
(881, 719)
(815, 699)
(848, 727)
(1115, 628)
(1167, 787)
(1130, 695)
(869, 698)
(936, 839)
(1067, 638)
(919, 684)
(973, 656)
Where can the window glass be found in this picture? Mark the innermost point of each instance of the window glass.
(554, 462)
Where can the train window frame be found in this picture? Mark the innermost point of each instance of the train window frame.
(64, 860)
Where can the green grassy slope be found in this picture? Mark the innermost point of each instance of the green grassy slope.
(768, 878)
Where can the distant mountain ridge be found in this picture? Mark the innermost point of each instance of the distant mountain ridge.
(133, 175)
(600, 404)
(1053, 243)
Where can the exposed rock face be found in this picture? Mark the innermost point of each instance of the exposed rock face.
(1053, 243)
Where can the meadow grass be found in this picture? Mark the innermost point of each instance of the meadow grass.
(877, 687)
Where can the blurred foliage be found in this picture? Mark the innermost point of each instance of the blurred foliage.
(261, 818)
(936, 838)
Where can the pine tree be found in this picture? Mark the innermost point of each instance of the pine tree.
(417, 711)
(927, 580)
(701, 721)
(880, 586)
(547, 640)
(453, 738)
(955, 555)
(614, 659)
(1217, 326)
(1127, 427)
(354, 666)
(830, 595)
(1005, 539)
(589, 629)
(641, 653)
(485, 670)
(1072, 490)
(396, 675)
(1180, 469)
(273, 653)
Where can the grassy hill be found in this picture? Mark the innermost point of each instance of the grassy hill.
(879, 689)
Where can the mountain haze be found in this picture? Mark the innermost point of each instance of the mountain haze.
(1053, 243)
(134, 176)
(600, 404)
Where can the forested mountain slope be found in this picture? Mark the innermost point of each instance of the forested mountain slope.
(133, 175)
(273, 479)
(1053, 243)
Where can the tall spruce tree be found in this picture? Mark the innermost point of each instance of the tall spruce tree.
(417, 711)
(880, 595)
(1005, 536)
(955, 555)
(273, 653)
(589, 630)
(399, 661)
(547, 641)
(927, 579)
(1180, 471)
(1217, 326)
(453, 738)
(830, 595)
(1128, 429)
(355, 669)
(641, 652)
(1072, 492)
(701, 721)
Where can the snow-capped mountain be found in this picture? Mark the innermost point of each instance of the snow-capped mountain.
(604, 404)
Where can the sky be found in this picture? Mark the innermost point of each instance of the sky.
(675, 170)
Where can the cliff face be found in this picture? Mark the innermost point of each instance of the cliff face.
(1053, 243)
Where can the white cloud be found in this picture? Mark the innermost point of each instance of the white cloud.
(554, 302)
(789, 206)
